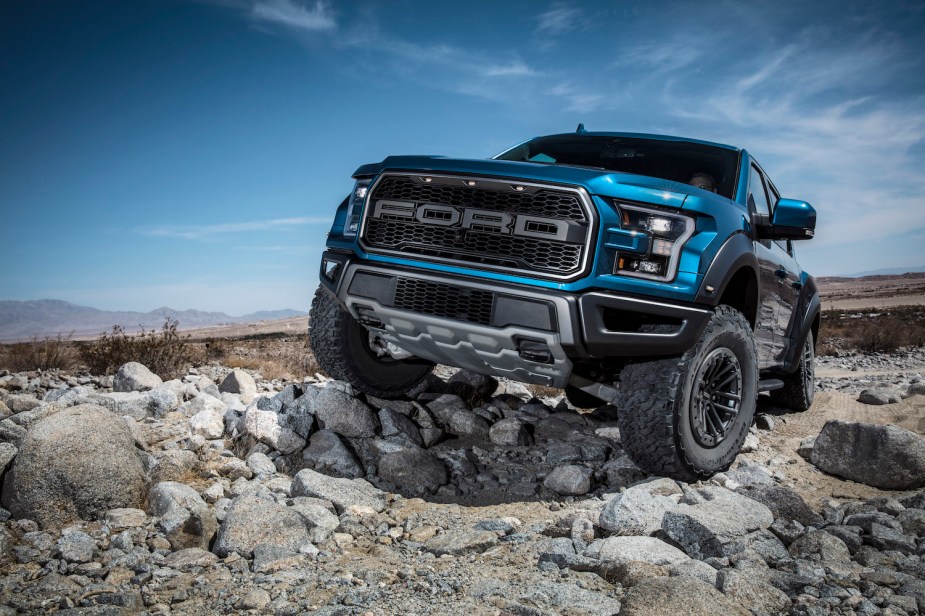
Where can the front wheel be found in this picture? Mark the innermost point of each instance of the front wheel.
(800, 387)
(346, 351)
(687, 417)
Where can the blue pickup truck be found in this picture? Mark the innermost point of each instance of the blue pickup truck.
(651, 272)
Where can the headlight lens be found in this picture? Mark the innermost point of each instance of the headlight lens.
(355, 207)
(667, 233)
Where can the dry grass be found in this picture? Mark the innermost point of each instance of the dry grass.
(883, 331)
(49, 354)
(274, 356)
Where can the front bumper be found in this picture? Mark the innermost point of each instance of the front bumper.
(515, 331)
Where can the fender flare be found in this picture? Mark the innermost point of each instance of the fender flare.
(736, 253)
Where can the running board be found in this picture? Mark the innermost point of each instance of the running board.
(599, 390)
(770, 384)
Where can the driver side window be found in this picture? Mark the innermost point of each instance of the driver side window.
(757, 197)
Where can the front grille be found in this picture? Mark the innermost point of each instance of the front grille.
(444, 300)
(547, 203)
(547, 232)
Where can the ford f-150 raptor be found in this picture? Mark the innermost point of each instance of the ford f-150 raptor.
(586, 261)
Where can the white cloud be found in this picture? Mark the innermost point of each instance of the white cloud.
(295, 15)
(195, 232)
(559, 19)
(511, 69)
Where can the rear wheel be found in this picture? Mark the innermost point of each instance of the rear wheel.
(800, 387)
(347, 351)
(687, 417)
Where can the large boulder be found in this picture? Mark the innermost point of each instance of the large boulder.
(344, 493)
(569, 480)
(710, 518)
(329, 454)
(185, 518)
(623, 550)
(252, 520)
(338, 411)
(886, 457)
(240, 383)
(78, 463)
(678, 595)
(264, 427)
(135, 377)
(416, 471)
(635, 512)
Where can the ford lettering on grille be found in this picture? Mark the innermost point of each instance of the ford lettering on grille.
(492, 224)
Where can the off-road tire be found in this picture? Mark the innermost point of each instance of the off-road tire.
(800, 387)
(341, 347)
(656, 402)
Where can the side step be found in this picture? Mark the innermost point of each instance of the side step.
(770, 384)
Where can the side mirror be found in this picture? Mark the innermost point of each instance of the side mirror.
(792, 220)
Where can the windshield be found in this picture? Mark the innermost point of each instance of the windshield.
(678, 161)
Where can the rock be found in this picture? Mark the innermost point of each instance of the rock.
(916, 389)
(125, 517)
(569, 480)
(240, 383)
(75, 546)
(678, 595)
(751, 443)
(635, 512)
(78, 463)
(398, 428)
(696, 569)
(135, 377)
(758, 595)
(272, 558)
(709, 518)
(190, 558)
(805, 448)
(787, 530)
(329, 454)
(885, 538)
(264, 427)
(344, 493)
(879, 395)
(256, 599)
(912, 522)
(416, 471)
(344, 414)
(183, 516)
(209, 423)
(8, 451)
(821, 546)
(319, 521)
(460, 541)
(784, 503)
(473, 386)
(260, 464)
(887, 457)
(511, 432)
(622, 550)
(559, 551)
(252, 520)
(298, 415)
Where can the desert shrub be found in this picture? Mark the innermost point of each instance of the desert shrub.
(48, 354)
(882, 331)
(166, 353)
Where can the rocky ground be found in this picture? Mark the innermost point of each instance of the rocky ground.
(221, 493)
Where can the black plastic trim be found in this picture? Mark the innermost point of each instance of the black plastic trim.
(603, 342)
(737, 252)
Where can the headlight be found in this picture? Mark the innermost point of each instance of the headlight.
(355, 207)
(667, 233)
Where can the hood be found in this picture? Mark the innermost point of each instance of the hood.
(596, 181)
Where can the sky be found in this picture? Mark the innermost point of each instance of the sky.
(191, 154)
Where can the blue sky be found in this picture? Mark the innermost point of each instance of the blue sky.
(191, 154)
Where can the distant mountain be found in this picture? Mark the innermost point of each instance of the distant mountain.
(49, 317)
(887, 271)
